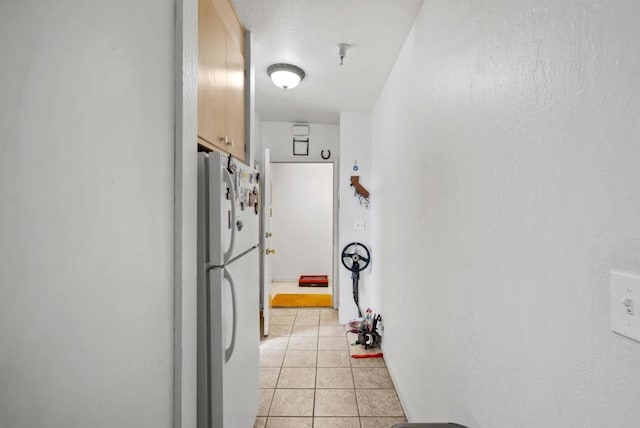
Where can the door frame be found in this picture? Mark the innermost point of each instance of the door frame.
(185, 214)
(335, 286)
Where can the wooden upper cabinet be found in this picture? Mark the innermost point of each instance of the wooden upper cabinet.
(221, 78)
(212, 74)
(235, 100)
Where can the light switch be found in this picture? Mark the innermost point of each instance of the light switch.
(358, 225)
(625, 298)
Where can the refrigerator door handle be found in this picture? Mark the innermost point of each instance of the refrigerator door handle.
(229, 351)
(232, 194)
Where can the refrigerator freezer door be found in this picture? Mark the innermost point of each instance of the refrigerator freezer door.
(220, 210)
(234, 222)
(247, 220)
(235, 389)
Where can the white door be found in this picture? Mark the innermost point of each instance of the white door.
(265, 241)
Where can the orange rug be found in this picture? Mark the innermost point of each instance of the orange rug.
(296, 300)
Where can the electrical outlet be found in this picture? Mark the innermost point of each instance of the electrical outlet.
(625, 299)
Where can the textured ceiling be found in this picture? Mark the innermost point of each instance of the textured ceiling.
(305, 33)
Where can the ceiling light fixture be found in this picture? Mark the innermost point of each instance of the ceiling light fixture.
(285, 76)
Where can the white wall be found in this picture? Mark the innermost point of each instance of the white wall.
(257, 144)
(506, 187)
(86, 213)
(355, 133)
(278, 137)
(302, 222)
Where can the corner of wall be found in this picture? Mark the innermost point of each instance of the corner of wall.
(355, 159)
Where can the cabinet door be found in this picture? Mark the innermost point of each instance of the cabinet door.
(212, 76)
(235, 98)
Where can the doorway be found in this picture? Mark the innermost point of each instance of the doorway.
(303, 223)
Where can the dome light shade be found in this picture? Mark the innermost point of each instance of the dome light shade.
(285, 76)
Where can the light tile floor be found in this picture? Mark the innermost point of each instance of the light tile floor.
(309, 380)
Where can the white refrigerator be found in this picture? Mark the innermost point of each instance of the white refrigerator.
(228, 293)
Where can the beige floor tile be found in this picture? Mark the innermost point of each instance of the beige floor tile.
(266, 395)
(269, 377)
(371, 377)
(310, 337)
(334, 378)
(328, 313)
(283, 311)
(307, 320)
(378, 402)
(292, 402)
(308, 312)
(300, 359)
(335, 402)
(299, 343)
(283, 320)
(297, 377)
(274, 343)
(381, 422)
(305, 330)
(328, 320)
(289, 422)
(271, 358)
(276, 330)
(331, 330)
(333, 359)
(332, 344)
(336, 423)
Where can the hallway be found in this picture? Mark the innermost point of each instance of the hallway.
(308, 379)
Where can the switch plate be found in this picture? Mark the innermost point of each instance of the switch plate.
(625, 304)
(358, 225)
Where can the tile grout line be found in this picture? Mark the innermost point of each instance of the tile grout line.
(275, 387)
(315, 384)
(344, 334)
(353, 378)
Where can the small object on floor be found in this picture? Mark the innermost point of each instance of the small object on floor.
(378, 355)
(368, 334)
(313, 281)
(357, 324)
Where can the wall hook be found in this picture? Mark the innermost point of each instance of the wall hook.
(360, 190)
